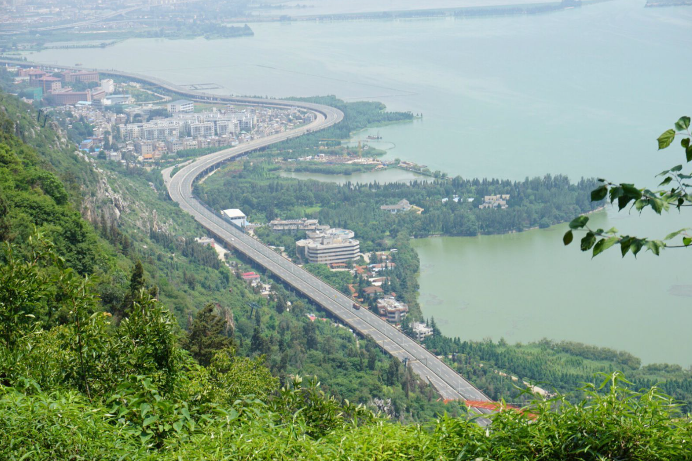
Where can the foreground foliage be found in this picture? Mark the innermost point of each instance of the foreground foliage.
(677, 197)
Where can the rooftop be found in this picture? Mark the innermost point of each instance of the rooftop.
(234, 213)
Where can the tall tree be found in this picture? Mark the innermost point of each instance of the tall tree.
(134, 291)
(207, 336)
(392, 375)
(310, 335)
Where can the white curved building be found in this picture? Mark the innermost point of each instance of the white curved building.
(329, 246)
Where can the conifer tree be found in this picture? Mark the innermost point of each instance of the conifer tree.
(133, 292)
(206, 336)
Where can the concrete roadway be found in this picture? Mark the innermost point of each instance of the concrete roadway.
(448, 383)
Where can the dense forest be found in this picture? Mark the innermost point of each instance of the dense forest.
(121, 337)
(538, 202)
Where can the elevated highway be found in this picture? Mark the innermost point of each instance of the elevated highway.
(448, 383)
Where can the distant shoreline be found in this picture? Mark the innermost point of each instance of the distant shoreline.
(458, 12)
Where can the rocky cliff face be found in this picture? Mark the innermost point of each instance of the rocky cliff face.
(103, 201)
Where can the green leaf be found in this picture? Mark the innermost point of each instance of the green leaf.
(676, 168)
(657, 204)
(682, 124)
(567, 239)
(675, 234)
(686, 241)
(615, 193)
(588, 241)
(636, 246)
(688, 153)
(640, 204)
(632, 191)
(178, 425)
(603, 245)
(599, 193)
(685, 142)
(625, 244)
(144, 408)
(666, 181)
(149, 420)
(623, 201)
(666, 139)
(578, 222)
(185, 412)
(655, 246)
(627, 193)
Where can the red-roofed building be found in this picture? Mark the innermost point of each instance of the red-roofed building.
(250, 276)
(33, 74)
(49, 84)
(81, 76)
(372, 290)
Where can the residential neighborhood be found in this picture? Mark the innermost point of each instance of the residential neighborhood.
(126, 122)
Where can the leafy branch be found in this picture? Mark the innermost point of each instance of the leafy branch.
(599, 240)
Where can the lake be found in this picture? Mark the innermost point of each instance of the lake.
(583, 92)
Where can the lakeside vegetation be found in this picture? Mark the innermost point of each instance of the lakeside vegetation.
(176, 30)
(536, 202)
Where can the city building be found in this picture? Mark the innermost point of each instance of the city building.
(174, 145)
(403, 205)
(373, 291)
(202, 129)
(329, 246)
(421, 330)
(393, 310)
(32, 73)
(144, 147)
(236, 216)
(246, 123)
(108, 85)
(251, 277)
(189, 143)
(65, 96)
(494, 201)
(97, 94)
(116, 99)
(224, 127)
(48, 83)
(159, 130)
(294, 225)
(81, 76)
(181, 105)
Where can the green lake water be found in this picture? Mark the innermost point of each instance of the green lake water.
(582, 92)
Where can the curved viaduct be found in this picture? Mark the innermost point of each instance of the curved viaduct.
(449, 384)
